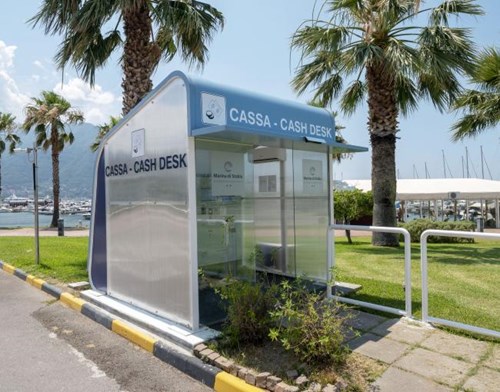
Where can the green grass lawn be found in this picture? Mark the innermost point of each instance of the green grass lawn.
(463, 278)
(61, 258)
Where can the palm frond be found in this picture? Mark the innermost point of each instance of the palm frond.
(487, 72)
(88, 52)
(407, 94)
(192, 23)
(353, 96)
(55, 15)
(439, 15)
(482, 111)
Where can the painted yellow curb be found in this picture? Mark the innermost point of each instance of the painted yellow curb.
(9, 268)
(38, 283)
(72, 301)
(30, 279)
(225, 382)
(135, 336)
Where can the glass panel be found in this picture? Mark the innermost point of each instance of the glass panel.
(225, 223)
(311, 213)
(274, 215)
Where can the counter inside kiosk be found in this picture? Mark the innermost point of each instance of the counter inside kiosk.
(205, 178)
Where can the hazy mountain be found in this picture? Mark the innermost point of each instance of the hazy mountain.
(76, 167)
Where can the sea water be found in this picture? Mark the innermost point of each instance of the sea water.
(27, 219)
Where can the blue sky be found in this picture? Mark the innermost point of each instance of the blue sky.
(251, 53)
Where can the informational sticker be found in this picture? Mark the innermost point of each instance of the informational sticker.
(213, 109)
(227, 174)
(312, 176)
(138, 143)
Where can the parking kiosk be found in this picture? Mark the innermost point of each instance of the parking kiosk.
(205, 178)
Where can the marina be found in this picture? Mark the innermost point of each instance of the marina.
(18, 212)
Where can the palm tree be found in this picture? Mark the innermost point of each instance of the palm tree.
(372, 46)
(48, 116)
(148, 30)
(481, 107)
(103, 131)
(7, 127)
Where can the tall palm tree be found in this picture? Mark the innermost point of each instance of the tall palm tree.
(481, 107)
(48, 116)
(374, 47)
(103, 130)
(148, 30)
(7, 136)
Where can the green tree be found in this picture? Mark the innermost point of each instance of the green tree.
(378, 49)
(147, 30)
(103, 130)
(49, 116)
(481, 107)
(349, 205)
(7, 136)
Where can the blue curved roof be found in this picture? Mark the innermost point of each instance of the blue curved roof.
(222, 111)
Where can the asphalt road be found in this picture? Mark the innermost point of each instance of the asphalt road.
(45, 346)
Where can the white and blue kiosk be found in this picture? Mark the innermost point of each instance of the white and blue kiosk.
(204, 177)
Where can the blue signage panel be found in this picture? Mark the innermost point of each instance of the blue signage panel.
(212, 105)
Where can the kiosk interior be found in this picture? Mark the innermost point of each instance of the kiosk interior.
(201, 177)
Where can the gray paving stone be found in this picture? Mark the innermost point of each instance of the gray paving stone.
(397, 380)
(435, 366)
(494, 360)
(364, 321)
(456, 346)
(377, 347)
(485, 380)
(403, 331)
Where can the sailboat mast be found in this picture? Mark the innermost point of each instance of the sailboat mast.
(467, 161)
(444, 164)
(482, 162)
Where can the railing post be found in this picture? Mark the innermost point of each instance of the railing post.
(423, 269)
(397, 230)
(425, 284)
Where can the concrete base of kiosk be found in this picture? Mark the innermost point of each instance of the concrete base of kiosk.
(166, 329)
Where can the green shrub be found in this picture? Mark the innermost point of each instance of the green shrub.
(418, 226)
(248, 305)
(308, 325)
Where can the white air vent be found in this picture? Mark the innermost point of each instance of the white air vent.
(267, 154)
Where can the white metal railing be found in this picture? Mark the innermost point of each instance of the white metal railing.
(407, 250)
(425, 288)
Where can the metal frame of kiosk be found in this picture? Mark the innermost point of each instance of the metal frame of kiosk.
(205, 178)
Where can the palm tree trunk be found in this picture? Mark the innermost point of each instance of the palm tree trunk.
(138, 56)
(55, 178)
(383, 123)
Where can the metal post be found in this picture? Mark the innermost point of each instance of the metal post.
(330, 241)
(284, 239)
(35, 197)
(34, 150)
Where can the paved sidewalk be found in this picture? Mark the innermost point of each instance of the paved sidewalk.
(422, 358)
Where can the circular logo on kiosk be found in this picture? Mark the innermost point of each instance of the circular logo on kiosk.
(228, 166)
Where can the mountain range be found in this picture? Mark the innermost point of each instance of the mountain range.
(76, 169)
